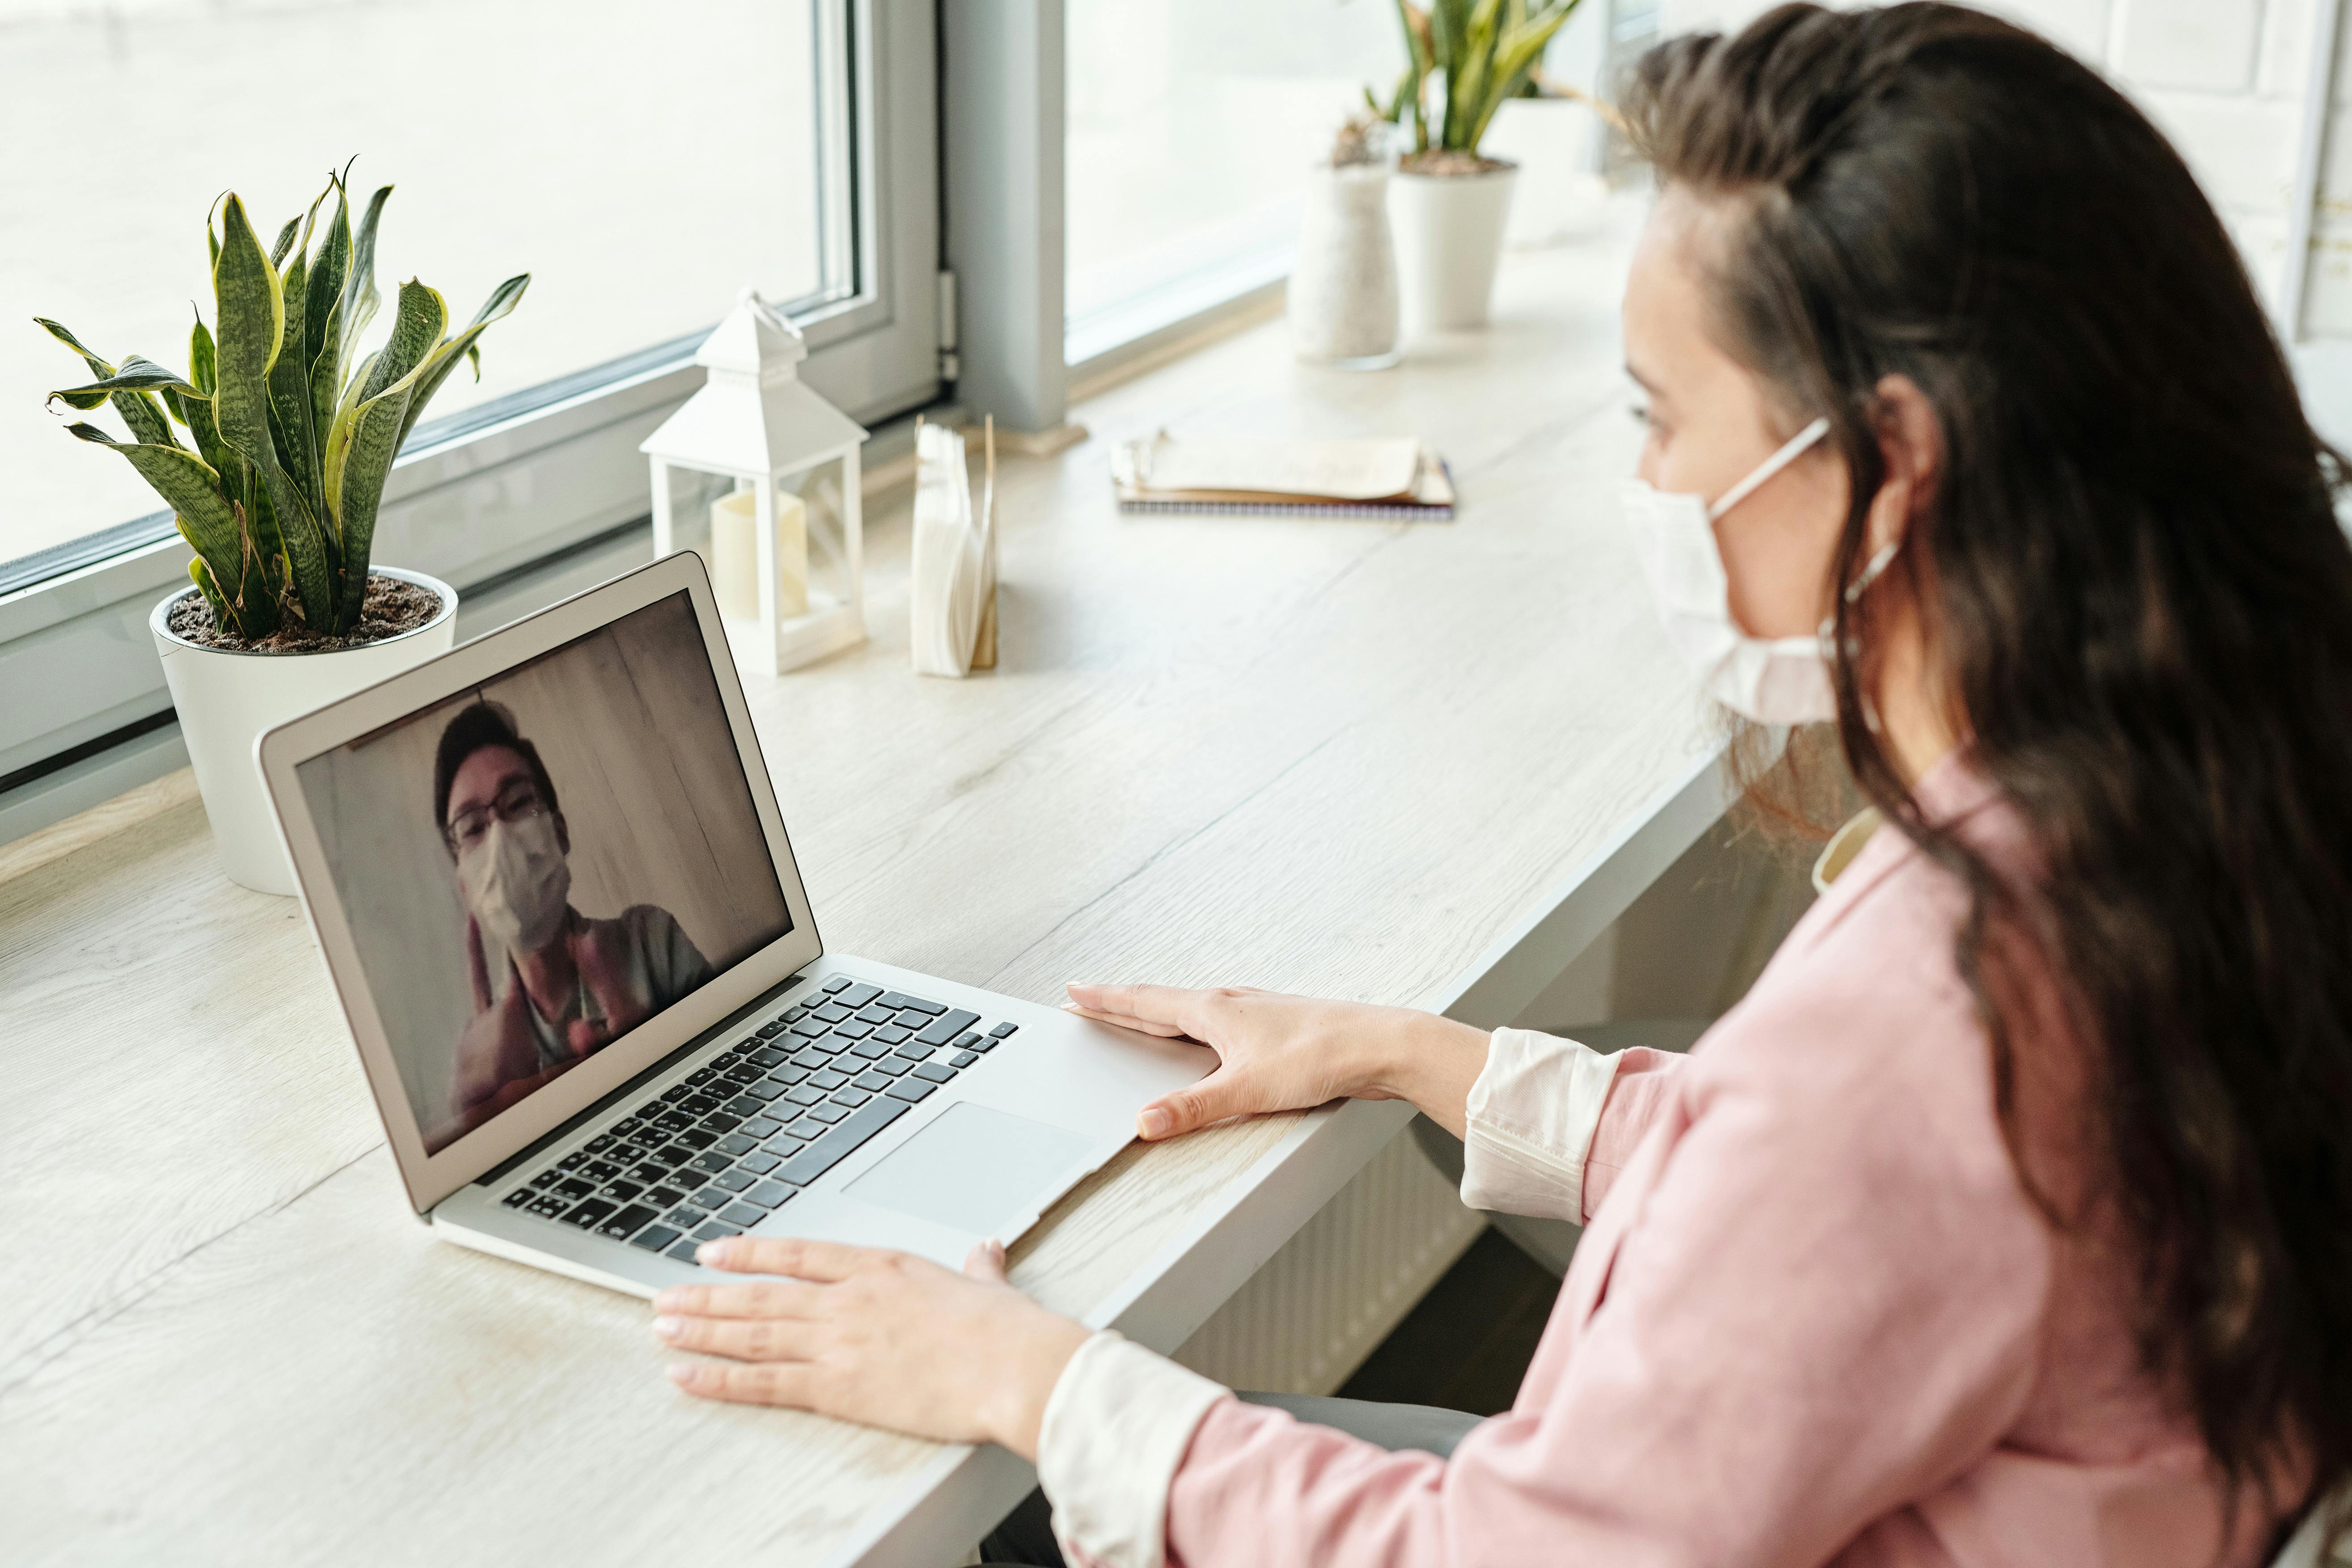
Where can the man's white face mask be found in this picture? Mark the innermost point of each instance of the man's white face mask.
(516, 881)
(1772, 680)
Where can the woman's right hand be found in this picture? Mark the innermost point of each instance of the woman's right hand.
(1287, 1053)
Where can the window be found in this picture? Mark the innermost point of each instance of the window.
(642, 162)
(1190, 126)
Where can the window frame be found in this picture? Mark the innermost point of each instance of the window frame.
(481, 498)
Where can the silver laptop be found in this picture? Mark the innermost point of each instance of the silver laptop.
(551, 881)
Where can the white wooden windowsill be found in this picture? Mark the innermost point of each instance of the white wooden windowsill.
(1411, 763)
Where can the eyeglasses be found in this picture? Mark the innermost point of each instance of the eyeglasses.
(518, 801)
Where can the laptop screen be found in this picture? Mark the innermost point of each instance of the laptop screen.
(537, 865)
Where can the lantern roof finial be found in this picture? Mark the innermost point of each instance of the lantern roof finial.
(754, 342)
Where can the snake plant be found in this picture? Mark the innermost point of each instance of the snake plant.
(1483, 51)
(290, 430)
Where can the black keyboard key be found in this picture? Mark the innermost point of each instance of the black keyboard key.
(548, 1206)
(831, 1012)
(808, 1128)
(963, 1059)
(1003, 1031)
(892, 1035)
(673, 1121)
(813, 1060)
(947, 1026)
(766, 1089)
(735, 1143)
(828, 1113)
(655, 1238)
(628, 1222)
(620, 1192)
(829, 1079)
(856, 996)
(626, 1126)
(769, 1031)
(741, 1213)
(702, 1075)
(894, 1067)
(683, 1252)
(648, 1111)
(982, 1043)
(598, 1145)
(769, 1194)
(852, 1096)
(546, 1179)
(839, 1143)
(877, 1015)
(739, 1108)
(674, 1156)
(869, 1050)
(711, 1162)
(589, 1214)
(759, 1127)
(852, 1031)
(841, 982)
(571, 1162)
(936, 1071)
(802, 1094)
(810, 1028)
(517, 1198)
(733, 1181)
(668, 1197)
(964, 1041)
(685, 1216)
(913, 1090)
(756, 1161)
(900, 999)
(677, 1092)
(716, 1230)
(600, 1170)
(688, 1178)
(872, 1082)
(767, 1057)
(648, 1173)
(627, 1153)
(786, 1144)
(574, 1188)
(697, 1138)
(916, 1050)
(744, 1072)
(698, 1105)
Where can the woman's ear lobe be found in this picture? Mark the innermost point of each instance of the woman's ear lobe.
(1910, 437)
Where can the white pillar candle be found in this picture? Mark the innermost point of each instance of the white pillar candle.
(735, 555)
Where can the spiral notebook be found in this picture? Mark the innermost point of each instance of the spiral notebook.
(1390, 477)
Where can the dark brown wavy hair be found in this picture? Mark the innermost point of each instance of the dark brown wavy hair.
(2133, 582)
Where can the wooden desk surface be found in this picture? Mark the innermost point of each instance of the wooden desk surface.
(1343, 758)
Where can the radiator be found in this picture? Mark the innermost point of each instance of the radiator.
(1320, 1305)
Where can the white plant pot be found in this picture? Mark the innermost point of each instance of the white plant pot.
(1449, 237)
(1556, 143)
(226, 699)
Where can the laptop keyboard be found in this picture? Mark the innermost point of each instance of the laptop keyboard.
(739, 1137)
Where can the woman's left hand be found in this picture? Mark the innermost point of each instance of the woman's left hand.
(881, 1338)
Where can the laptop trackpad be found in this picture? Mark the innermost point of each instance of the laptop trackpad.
(972, 1170)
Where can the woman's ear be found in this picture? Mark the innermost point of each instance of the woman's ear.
(1911, 446)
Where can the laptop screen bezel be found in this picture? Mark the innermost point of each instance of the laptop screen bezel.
(281, 752)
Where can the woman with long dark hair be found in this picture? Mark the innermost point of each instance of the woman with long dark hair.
(2009, 1220)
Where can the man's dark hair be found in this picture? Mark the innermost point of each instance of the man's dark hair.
(477, 728)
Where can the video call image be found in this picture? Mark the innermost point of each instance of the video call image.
(534, 867)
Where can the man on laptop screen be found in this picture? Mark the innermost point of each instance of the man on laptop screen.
(589, 855)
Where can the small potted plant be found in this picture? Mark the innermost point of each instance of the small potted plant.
(1450, 204)
(290, 433)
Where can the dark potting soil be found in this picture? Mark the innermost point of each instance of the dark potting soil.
(392, 607)
(1449, 163)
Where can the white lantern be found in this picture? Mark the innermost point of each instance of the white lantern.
(756, 423)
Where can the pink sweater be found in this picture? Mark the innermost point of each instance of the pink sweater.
(1814, 1318)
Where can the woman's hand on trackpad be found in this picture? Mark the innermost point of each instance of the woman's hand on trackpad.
(1287, 1053)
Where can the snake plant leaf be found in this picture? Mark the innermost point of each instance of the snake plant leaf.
(1517, 55)
(198, 415)
(285, 241)
(203, 579)
(191, 488)
(251, 311)
(289, 386)
(466, 345)
(201, 357)
(376, 428)
(360, 296)
(323, 315)
(416, 329)
(134, 374)
(56, 330)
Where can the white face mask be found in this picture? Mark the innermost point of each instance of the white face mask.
(1772, 680)
(517, 881)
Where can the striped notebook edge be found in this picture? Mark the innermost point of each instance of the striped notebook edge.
(1289, 508)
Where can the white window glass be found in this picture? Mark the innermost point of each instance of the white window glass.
(642, 162)
(1190, 125)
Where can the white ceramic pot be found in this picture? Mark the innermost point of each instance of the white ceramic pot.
(226, 699)
(1449, 237)
(1556, 143)
(1343, 288)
